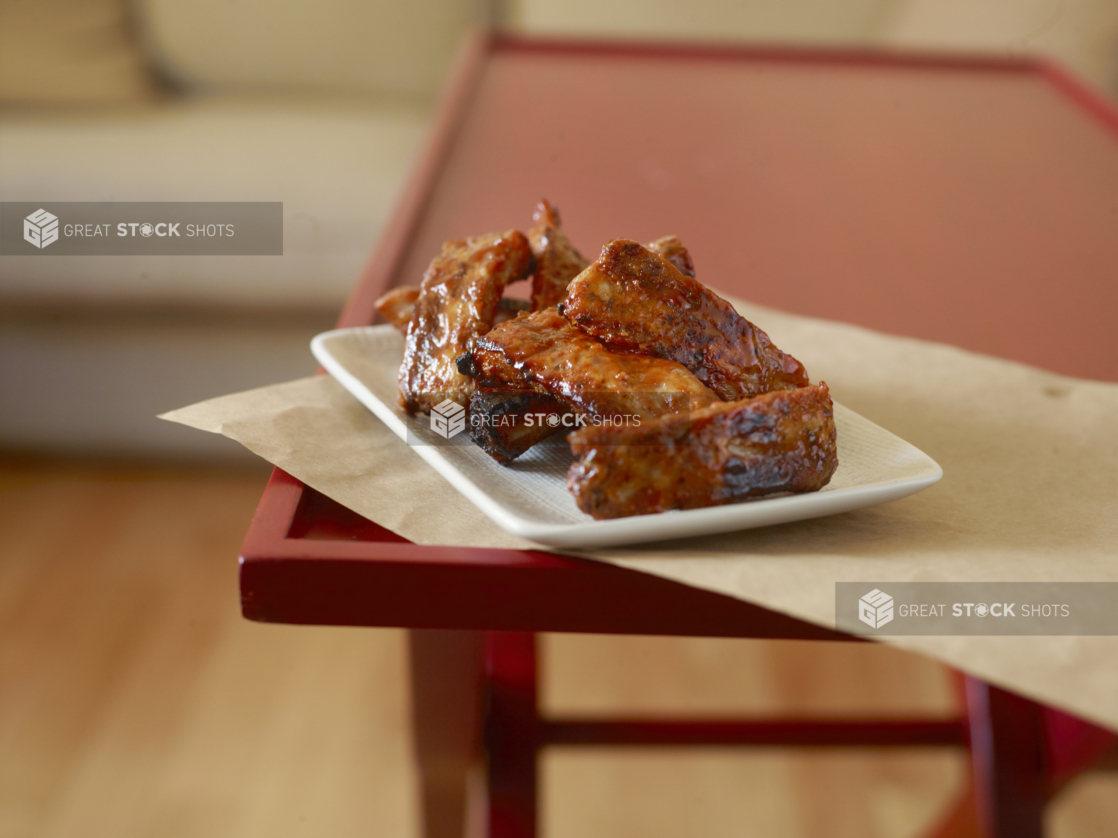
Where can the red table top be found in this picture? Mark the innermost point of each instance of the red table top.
(973, 202)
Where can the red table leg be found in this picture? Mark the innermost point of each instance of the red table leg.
(1021, 752)
(1008, 756)
(512, 734)
(1074, 745)
(447, 675)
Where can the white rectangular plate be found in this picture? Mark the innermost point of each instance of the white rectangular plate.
(529, 498)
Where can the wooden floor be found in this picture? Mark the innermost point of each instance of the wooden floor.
(135, 702)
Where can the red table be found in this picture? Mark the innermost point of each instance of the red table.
(970, 201)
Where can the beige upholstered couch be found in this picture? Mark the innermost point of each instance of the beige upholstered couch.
(321, 105)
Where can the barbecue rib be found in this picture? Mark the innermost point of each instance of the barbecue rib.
(498, 421)
(398, 305)
(505, 424)
(672, 249)
(557, 262)
(782, 441)
(545, 353)
(458, 301)
(637, 300)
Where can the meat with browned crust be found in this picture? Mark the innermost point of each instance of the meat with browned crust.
(672, 249)
(557, 262)
(398, 305)
(506, 423)
(638, 300)
(545, 353)
(782, 441)
(458, 301)
(500, 428)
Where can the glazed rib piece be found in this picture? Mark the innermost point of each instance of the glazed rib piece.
(638, 300)
(506, 423)
(540, 364)
(782, 441)
(398, 305)
(557, 262)
(672, 249)
(500, 425)
(545, 353)
(458, 301)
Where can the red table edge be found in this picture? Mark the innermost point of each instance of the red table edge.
(268, 540)
(272, 561)
(271, 557)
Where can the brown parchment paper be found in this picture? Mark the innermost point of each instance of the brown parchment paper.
(1029, 493)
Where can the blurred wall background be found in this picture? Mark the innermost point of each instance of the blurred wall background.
(321, 105)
